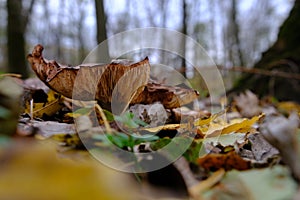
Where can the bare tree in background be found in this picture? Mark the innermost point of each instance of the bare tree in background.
(17, 20)
(283, 56)
(80, 36)
(260, 17)
(163, 8)
(232, 37)
(101, 29)
(183, 42)
(59, 31)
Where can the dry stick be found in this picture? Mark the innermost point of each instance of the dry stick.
(106, 124)
(195, 187)
(273, 73)
(11, 75)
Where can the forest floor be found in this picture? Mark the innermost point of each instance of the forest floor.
(64, 149)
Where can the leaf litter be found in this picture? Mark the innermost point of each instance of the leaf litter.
(248, 151)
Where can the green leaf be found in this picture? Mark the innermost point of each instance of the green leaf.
(192, 153)
(83, 111)
(4, 113)
(128, 120)
(109, 116)
(123, 140)
(160, 143)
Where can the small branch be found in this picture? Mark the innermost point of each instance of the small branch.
(106, 124)
(273, 73)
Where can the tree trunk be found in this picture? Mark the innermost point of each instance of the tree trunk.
(15, 38)
(236, 44)
(101, 31)
(283, 56)
(183, 42)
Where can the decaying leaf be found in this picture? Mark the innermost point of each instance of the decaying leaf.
(248, 104)
(49, 128)
(227, 161)
(33, 170)
(95, 81)
(48, 108)
(169, 96)
(256, 148)
(126, 81)
(152, 114)
(281, 132)
(268, 184)
(214, 126)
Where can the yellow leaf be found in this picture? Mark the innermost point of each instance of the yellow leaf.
(52, 96)
(202, 122)
(288, 106)
(67, 139)
(243, 126)
(164, 127)
(49, 109)
(236, 125)
(34, 170)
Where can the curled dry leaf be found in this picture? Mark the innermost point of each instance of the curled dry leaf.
(88, 82)
(282, 132)
(125, 81)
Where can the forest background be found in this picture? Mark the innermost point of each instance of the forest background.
(234, 33)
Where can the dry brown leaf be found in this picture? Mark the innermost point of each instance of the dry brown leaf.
(282, 132)
(128, 82)
(228, 161)
(169, 96)
(96, 81)
(248, 104)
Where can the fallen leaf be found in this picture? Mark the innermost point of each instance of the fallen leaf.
(268, 184)
(33, 170)
(260, 149)
(211, 128)
(169, 96)
(282, 132)
(248, 104)
(166, 127)
(288, 107)
(228, 161)
(49, 128)
(152, 114)
(102, 79)
(125, 81)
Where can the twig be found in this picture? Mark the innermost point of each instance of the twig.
(272, 73)
(106, 124)
(11, 75)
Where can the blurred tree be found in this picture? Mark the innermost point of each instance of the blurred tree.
(183, 31)
(59, 32)
(82, 16)
(283, 56)
(232, 37)
(101, 30)
(17, 20)
(235, 30)
(260, 17)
